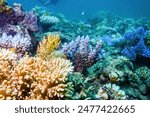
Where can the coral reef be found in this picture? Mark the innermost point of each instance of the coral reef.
(30, 22)
(41, 58)
(48, 20)
(45, 18)
(20, 44)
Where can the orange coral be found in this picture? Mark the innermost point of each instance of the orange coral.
(33, 77)
(48, 44)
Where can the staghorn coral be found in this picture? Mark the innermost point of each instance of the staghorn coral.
(32, 77)
(48, 44)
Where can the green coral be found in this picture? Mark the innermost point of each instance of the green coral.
(79, 87)
(143, 73)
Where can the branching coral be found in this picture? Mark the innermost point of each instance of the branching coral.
(140, 49)
(30, 22)
(136, 49)
(82, 54)
(20, 43)
(48, 44)
(34, 78)
(48, 20)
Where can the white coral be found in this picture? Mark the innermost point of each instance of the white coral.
(48, 20)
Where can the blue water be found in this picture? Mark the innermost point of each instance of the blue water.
(83, 9)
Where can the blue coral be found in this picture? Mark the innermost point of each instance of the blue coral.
(136, 49)
(139, 49)
(135, 33)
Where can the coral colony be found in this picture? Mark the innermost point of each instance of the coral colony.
(44, 56)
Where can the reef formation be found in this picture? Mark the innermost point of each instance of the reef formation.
(45, 56)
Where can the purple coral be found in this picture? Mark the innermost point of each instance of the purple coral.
(16, 29)
(18, 13)
(20, 42)
(30, 22)
(82, 54)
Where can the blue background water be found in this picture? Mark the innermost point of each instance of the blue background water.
(74, 8)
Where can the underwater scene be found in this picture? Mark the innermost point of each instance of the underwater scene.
(74, 50)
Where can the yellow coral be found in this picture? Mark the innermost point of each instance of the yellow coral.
(48, 44)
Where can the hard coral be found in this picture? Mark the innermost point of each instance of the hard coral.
(48, 20)
(136, 41)
(82, 54)
(34, 78)
(140, 49)
(20, 43)
(30, 22)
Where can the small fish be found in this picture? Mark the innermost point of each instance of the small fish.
(82, 13)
